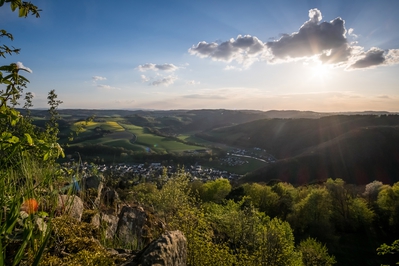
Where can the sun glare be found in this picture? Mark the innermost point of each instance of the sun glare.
(321, 72)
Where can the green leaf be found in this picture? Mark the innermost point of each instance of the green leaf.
(42, 248)
(14, 5)
(4, 81)
(2, 2)
(29, 139)
(9, 76)
(43, 214)
(5, 135)
(20, 254)
(1, 254)
(23, 12)
(23, 78)
(7, 68)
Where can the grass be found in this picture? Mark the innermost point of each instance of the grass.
(130, 137)
(125, 144)
(21, 186)
(157, 143)
(90, 125)
(193, 139)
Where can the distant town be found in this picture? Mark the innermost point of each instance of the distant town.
(151, 170)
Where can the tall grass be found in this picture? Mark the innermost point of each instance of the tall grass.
(27, 199)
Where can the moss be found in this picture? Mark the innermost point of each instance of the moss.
(75, 243)
(88, 215)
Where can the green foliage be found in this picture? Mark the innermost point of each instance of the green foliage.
(202, 250)
(25, 8)
(230, 234)
(143, 192)
(23, 231)
(349, 212)
(312, 214)
(26, 184)
(253, 235)
(173, 202)
(263, 198)
(215, 190)
(388, 202)
(361, 216)
(314, 253)
(389, 249)
(287, 195)
(18, 136)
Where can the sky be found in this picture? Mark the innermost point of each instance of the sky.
(325, 56)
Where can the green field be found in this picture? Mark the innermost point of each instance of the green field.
(108, 125)
(128, 136)
(157, 143)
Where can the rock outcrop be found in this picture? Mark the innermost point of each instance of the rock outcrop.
(111, 223)
(95, 183)
(170, 249)
(71, 205)
(131, 225)
(109, 196)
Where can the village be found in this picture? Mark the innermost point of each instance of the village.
(153, 170)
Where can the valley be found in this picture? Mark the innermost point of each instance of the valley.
(291, 146)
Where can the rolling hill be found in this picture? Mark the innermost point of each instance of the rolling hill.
(359, 148)
(358, 157)
(308, 146)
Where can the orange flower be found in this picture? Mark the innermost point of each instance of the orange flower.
(30, 206)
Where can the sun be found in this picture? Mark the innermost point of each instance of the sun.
(320, 71)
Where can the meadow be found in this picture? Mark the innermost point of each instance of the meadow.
(117, 132)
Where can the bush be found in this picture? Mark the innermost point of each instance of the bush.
(315, 254)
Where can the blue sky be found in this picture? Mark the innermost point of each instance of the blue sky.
(263, 55)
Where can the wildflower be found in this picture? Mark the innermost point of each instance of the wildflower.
(30, 206)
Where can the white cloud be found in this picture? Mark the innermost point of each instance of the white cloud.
(383, 97)
(193, 82)
(245, 50)
(326, 40)
(164, 81)
(125, 102)
(205, 96)
(156, 67)
(315, 40)
(350, 33)
(107, 87)
(97, 78)
(230, 67)
(21, 66)
(144, 78)
(392, 57)
(371, 58)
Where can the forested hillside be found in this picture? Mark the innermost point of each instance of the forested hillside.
(357, 148)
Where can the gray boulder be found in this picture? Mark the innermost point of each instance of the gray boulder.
(132, 225)
(96, 220)
(71, 205)
(111, 223)
(97, 184)
(109, 196)
(94, 181)
(168, 250)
